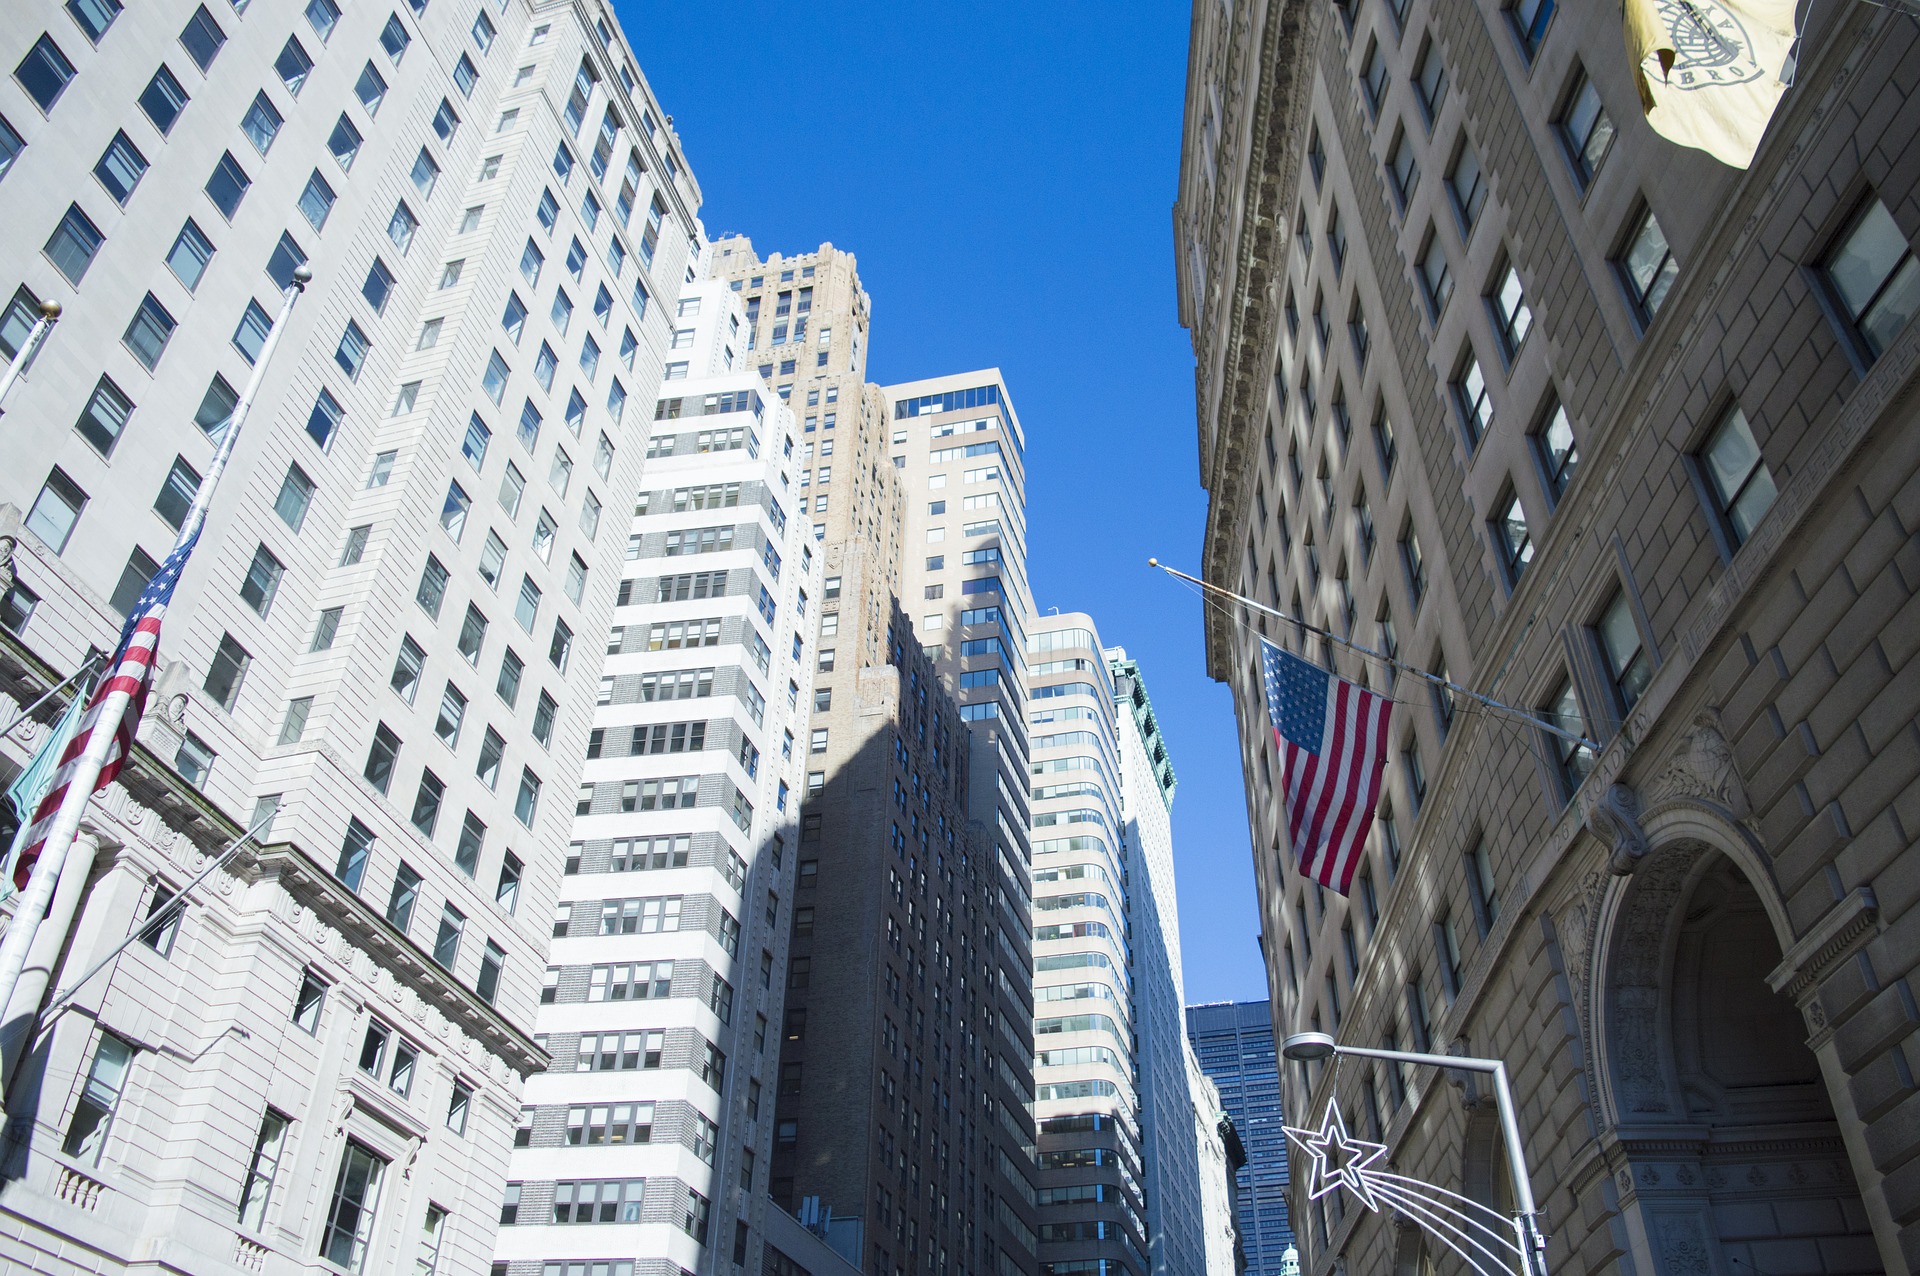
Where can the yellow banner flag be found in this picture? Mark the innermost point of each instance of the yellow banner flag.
(1709, 70)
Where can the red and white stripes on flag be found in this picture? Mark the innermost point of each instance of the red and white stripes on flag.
(130, 671)
(1332, 736)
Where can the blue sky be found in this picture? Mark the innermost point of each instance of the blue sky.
(1005, 173)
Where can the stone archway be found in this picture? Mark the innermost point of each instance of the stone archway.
(1724, 1141)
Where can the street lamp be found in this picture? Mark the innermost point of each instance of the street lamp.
(1306, 1047)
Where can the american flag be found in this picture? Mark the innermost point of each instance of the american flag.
(131, 671)
(1333, 747)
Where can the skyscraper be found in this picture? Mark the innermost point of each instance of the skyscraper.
(661, 1005)
(1495, 378)
(904, 1071)
(386, 642)
(1088, 1105)
(1234, 1043)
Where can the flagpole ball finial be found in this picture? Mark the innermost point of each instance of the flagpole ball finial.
(50, 309)
(302, 275)
(1153, 562)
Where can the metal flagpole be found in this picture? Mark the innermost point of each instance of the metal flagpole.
(33, 901)
(1384, 658)
(171, 909)
(49, 315)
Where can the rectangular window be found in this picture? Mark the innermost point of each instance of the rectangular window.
(228, 185)
(1585, 128)
(1530, 19)
(1467, 185)
(188, 257)
(162, 100)
(1738, 476)
(256, 1190)
(1646, 266)
(120, 168)
(293, 65)
(261, 123)
(45, 72)
(1572, 759)
(100, 1094)
(56, 510)
(356, 1199)
(74, 242)
(226, 671)
(1628, 666)
(1554, 444)
(1473, 400)
(316, 201)
(1875, 277)
(262, 581)
(202, 38)
(104, 417)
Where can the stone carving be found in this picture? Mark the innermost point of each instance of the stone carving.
(1615, 816)
(1634, 1006)
(1702, 767)
(177, 709)
(7, 546)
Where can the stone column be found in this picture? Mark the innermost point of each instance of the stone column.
(49, 942)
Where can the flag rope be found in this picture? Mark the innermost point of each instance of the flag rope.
(1432, 678)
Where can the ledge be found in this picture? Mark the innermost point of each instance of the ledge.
(151, 783)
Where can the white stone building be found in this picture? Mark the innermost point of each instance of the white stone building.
(387, 636)
(661, 1001)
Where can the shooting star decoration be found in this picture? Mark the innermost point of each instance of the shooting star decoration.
(1491, 1243)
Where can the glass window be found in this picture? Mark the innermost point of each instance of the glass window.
(316, 201)
(1586, 130)
(296, 497)
(401, 227)
(73, 244)
(356, 1198)
(163, 99)
(257, 1189)
(293, 65)
(226, 671)
(394, 38)
(1626, 658)
(1875, 276)
(105, 416)
(352, 350)
(134, 578)
(45, 72)
(1553, 440)
(94, 16)
(1647, 266)
(262, 581)
(56, 510)
(202, 38)
(191, 252)
(1436, 274)
(322, 16)
(228, 185)
(1430, 78)
(261, 123)
(250, 337)
(1530, 19)
(177, 493)
(99, 1095)
(1512, 319)
(1573, 759)
(1467, 185)
(1742, 484)
(1473, 400)
(120, 168)
(1512, 538)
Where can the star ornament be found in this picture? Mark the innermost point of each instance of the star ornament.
(1337, 1158)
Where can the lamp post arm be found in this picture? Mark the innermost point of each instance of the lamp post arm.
(1534, 1255)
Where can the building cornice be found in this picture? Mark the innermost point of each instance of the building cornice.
(1283, 80)
(151, 783)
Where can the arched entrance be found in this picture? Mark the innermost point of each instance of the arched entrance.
(1725, 1137)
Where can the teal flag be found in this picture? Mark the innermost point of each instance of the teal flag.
(33, 782)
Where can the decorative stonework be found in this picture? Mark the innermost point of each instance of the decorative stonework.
(1702, 767)
(1614, 817)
